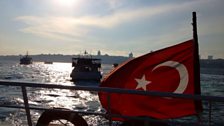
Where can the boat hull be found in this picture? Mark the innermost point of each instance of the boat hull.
(25, 61)
(78, 75)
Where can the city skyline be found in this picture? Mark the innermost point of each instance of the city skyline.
(116, 27)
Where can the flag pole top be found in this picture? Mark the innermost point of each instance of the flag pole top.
(194, 23)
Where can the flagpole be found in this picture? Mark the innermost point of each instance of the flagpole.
(196, 62)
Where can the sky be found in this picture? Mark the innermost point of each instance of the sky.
(115, 27)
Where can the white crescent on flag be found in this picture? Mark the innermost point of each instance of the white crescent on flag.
(182, 70)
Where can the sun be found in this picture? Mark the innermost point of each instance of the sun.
(66, 3)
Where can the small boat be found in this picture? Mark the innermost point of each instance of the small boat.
(115, 65)
(26, 60)
(86, 68)
(48, 62)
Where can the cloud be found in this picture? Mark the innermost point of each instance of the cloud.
(75, 28)
(211, 26)
(52, 27)
(113, 4)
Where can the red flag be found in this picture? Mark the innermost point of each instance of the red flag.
(167, 70)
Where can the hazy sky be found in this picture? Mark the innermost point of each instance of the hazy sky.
(115, 27)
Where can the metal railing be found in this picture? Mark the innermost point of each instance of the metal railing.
(27, 108)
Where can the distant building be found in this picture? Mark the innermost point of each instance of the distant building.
(130, 55)
(99, 53)
(210, 57)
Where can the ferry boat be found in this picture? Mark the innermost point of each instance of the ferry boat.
(86, 68)
(26, 60)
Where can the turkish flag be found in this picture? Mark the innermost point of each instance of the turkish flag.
(167, 70)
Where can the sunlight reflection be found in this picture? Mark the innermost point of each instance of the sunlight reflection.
(66, 3)
(58, 72)
(70, 99)
(62, 66)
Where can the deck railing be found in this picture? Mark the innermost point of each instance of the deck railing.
(24, 85)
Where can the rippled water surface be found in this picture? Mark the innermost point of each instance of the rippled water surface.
(58, 73)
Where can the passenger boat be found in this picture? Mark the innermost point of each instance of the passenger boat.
(86, 68)
(26, 60)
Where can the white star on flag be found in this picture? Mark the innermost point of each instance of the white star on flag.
(142, 83)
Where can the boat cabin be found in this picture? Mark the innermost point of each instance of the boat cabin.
(86, 68)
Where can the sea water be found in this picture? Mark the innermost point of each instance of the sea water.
(59, 73)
